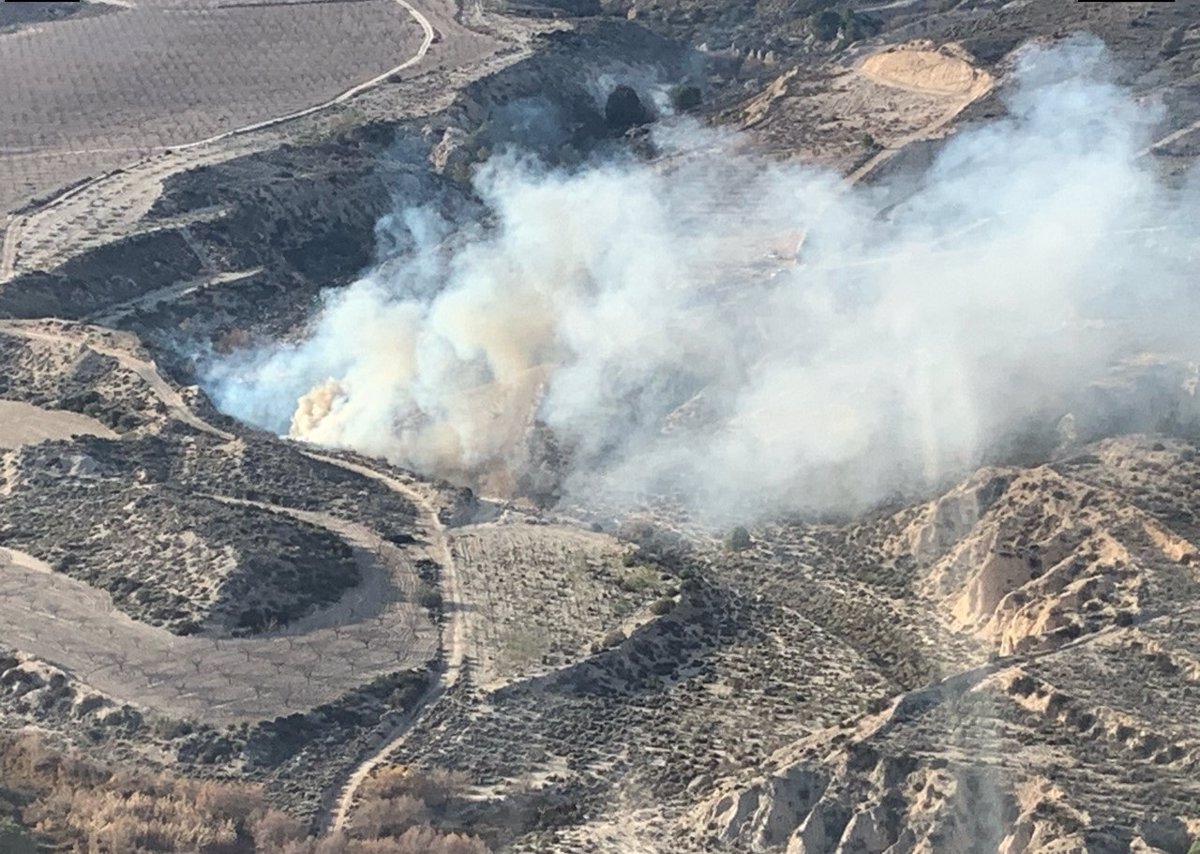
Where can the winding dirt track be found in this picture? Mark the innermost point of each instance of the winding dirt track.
(455, 648)
(146, 371)
(373, 629)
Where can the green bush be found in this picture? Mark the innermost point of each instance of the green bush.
(1195, 849)
(738, 539)
(855, 27)
(613, 639)
(1171, 42)
(826, 25)
(684, 99)
(430, 598)
(662, 606)
(640, 579)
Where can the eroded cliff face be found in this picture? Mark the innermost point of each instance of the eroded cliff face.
(1074, 732)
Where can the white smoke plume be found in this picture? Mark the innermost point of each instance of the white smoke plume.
(640, 311)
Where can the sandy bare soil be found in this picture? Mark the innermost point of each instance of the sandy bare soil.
(884, 101)
(921, 69)
(23, 423)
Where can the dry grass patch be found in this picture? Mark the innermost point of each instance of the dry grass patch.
(403, 807)
(77, 805)
(81, 806)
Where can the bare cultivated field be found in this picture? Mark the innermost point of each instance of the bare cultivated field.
(374, 630)
(93, 179)
(546, 593)
(109, 88)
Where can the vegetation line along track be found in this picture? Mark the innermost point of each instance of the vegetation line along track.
(1169, 138)
(12, 233)
(336, 813)
(8, 249)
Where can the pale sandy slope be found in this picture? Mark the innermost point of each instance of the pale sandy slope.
(24, 423)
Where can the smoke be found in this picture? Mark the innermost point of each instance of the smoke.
(653, 317)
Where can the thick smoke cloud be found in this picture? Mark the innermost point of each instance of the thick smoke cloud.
(651, 317)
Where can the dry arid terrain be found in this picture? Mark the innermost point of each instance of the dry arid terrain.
(216, 638)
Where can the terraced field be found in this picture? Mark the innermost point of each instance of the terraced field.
(95, 92)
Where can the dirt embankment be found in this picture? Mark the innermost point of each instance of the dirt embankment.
(921, 68)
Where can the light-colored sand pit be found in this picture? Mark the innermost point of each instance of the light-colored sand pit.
(875, 102)
(923, 70)
(26, 424)
(942, 75)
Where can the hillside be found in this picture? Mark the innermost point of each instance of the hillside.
(342, 414)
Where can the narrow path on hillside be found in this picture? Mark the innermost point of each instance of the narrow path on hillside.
(1171, 137)
(170, 293)
(146, 371)
(456, 647)
(8, 249)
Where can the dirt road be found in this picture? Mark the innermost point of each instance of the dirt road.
(455, 646)
(146, 371)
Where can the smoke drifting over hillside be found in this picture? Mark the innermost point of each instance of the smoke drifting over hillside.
(633, 309)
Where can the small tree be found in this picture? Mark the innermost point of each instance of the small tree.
(684, 99)
(826, 25)
(624, 109)
(855, 27)
(738, 539)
